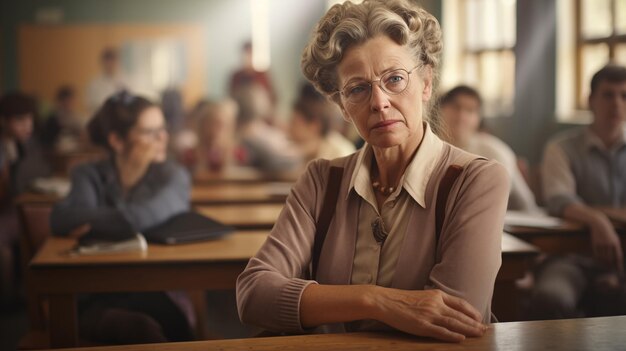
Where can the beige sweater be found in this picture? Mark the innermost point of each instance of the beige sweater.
(465, 262)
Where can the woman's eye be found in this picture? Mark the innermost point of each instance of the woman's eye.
(395, 79)
(357, 89)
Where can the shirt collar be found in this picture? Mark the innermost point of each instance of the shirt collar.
(416, 176)
(593, 141)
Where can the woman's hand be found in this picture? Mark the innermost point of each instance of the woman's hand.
(429, 313)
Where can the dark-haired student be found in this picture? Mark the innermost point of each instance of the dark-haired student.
(460, 111)
(21, 162)
(138, 184)
(585, 168)
(63, 128)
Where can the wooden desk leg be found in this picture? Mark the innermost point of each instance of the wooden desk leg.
(198, 299)
(63, 320)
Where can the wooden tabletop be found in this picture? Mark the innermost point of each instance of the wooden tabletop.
(598, 334)
(240, 175)
(235, 247)
(244, 216)
(231, 193)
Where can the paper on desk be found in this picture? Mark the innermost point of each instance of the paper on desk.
(533, 220)
(55, 186)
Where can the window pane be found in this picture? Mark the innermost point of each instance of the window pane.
(596, 18)
(594, 57)
(497, 82)
(507, 22)
(489, 31)
(472, 25)
(470, 70)
(620, 16)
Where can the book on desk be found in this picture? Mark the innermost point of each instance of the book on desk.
(120, 235)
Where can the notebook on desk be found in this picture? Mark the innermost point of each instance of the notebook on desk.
(185, 228)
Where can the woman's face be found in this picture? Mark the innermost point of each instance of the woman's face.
(384, 120)
(149, 134)
(462, 118)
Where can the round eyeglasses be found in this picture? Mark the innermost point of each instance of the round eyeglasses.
(392, 83)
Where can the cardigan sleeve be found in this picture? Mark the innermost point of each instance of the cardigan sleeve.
(270, 288)
(170, 196)
(470, 251)
(81, 205)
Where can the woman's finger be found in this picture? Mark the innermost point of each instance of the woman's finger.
(437, 332)
(462, 306)
(464, 319)
(457, 326)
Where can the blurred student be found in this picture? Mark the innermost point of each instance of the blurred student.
(216, 129)
(63, 128)
(137, 184)
(109, 82)
(262, 146)
(248, 75)
(21, 161)
(311, 127)
(583, 169)
(460, 111)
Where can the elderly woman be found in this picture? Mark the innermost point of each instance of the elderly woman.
(409, 246)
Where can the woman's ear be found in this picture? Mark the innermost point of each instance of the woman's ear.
(427, 79)
(116, 143)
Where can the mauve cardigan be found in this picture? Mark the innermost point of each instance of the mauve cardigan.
(464, 264)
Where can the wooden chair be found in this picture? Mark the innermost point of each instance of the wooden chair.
(35, 219)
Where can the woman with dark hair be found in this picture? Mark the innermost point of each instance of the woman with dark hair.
(136, 184)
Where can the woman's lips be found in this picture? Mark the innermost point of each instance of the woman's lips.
(385, 124)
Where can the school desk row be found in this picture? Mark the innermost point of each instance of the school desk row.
(213, 265)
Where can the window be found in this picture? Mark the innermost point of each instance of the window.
(591, 33)
(479, 42)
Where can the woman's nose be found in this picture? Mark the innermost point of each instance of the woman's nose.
(379, 99)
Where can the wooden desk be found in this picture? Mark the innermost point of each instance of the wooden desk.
(517, 257)
(241, 175)
(244, 216)
(568, 238)
(224, 194)
(600, 334)
(200, 266)
(209, 265)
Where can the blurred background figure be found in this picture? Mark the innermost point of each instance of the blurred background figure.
(173, 108)
(248, 75)
(110, 80)
(461, 116)
(312, 129)
(21, 162)
(263, 147)
(63, 129)
(216, 145)
(139, 185)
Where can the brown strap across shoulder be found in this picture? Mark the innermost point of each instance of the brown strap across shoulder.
(449, 178)
(326, 215)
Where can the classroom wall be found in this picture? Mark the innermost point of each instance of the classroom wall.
(226, 23)
(291, 22)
